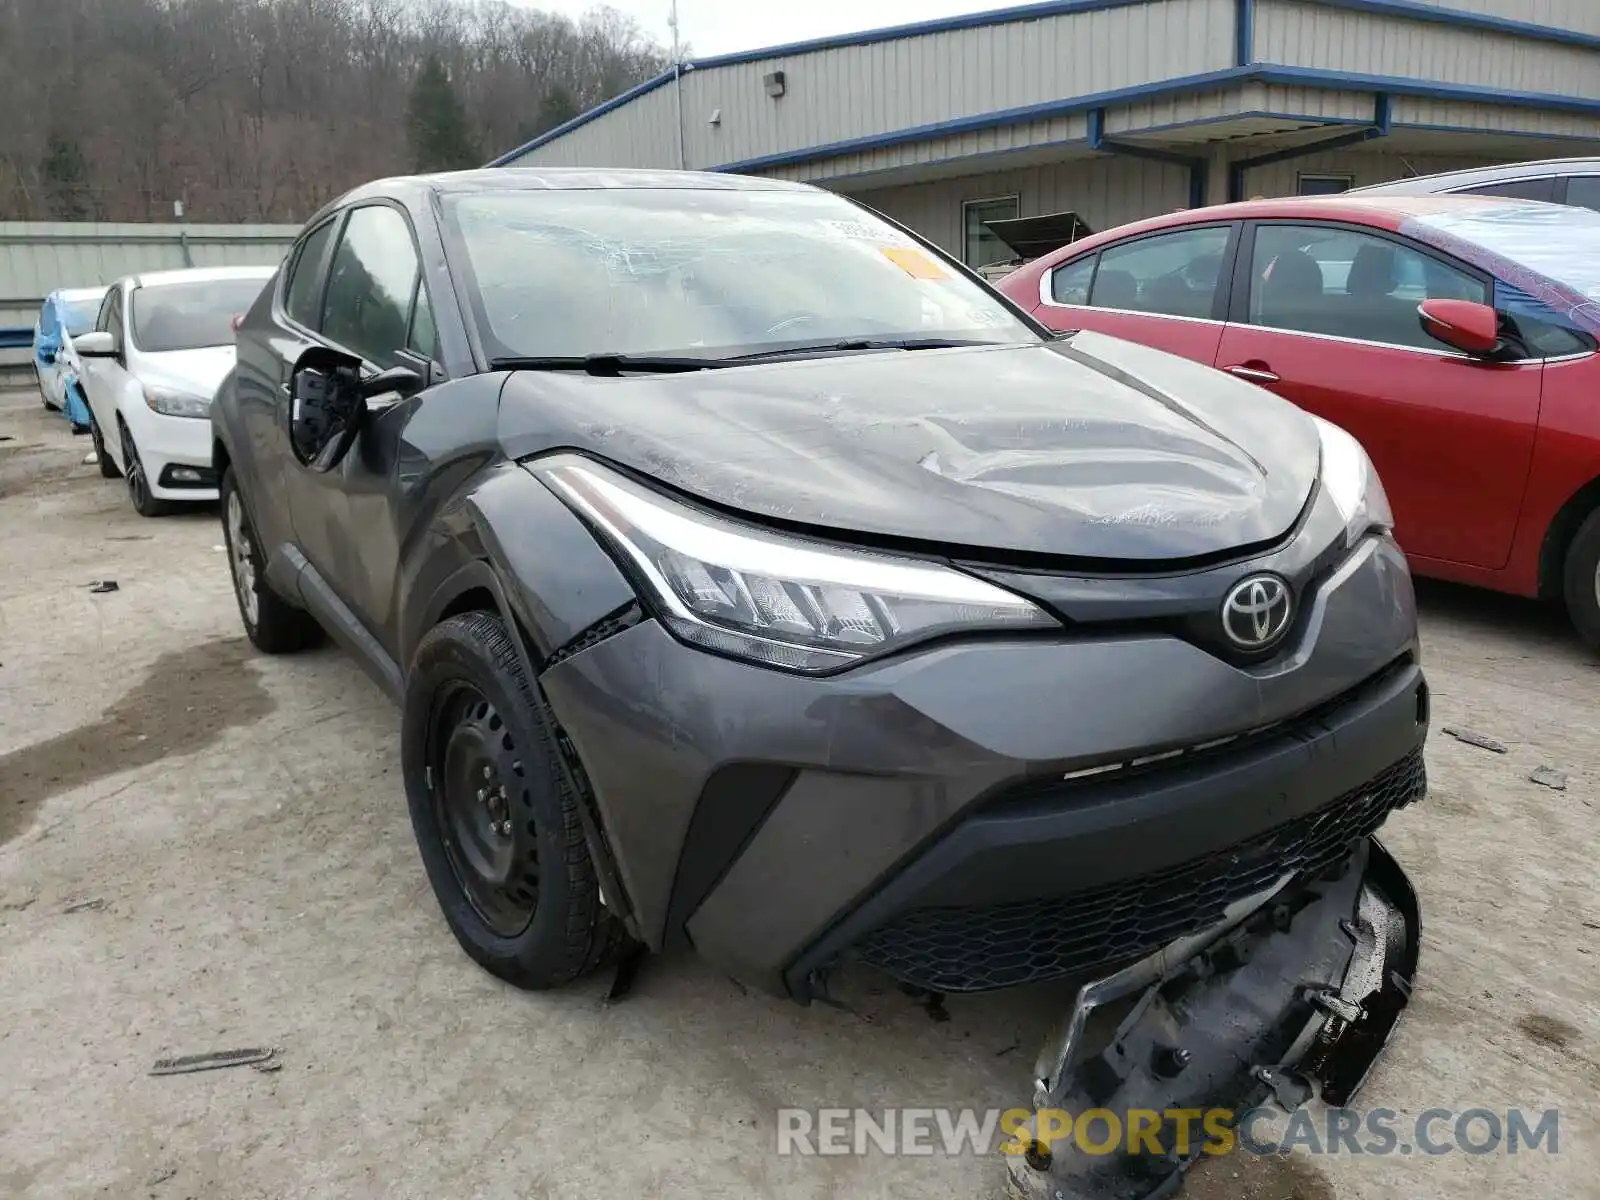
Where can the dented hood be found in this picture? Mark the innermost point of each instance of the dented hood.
(1092, 448)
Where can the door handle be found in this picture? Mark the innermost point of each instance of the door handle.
(1253, 374)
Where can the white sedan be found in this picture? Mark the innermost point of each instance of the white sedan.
(161, 346)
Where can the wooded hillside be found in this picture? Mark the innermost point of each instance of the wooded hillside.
(261, 110)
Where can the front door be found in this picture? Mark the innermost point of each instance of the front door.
(105, 379)
(280, 328)
(1163, 290)
(1329, 320)
(375, 308)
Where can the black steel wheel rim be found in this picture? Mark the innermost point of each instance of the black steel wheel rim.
(481, 806)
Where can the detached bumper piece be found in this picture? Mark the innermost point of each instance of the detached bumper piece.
(1294, 993)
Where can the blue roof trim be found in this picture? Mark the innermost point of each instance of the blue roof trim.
(1260, 73)
(994, 120)
(1244, 39)
(1411, 10)
(868, 37)
(1423, 89)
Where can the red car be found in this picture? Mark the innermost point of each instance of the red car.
(1455, 337)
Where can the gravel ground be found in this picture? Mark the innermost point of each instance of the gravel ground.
(202, 848)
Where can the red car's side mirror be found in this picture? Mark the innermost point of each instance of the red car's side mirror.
(1461, 324)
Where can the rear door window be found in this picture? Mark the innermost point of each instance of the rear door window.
(303, 296)
(1069, 283)
(1516, 189)
(1173, 274)
(1583, 191)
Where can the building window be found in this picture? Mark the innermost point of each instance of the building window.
(980, 246)
(1325, 185)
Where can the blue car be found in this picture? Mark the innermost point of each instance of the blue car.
(66, 313)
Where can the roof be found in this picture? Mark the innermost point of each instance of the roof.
(1445, 180)
(1381, 209)
(83, 293)
(198, 275)
(531, 178)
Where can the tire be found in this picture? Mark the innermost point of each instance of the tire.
(108, 469)
(44, 396)
(471, 718)
(1580, 578)
(145, 504)
(273, 625)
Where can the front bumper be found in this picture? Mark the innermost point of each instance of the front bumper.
(176, 453)
(915, 812)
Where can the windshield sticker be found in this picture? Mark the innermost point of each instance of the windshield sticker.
(914, 263)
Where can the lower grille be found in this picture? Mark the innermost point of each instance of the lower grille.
(1034, 941)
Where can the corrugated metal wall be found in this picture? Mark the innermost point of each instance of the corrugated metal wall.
(1580, 15)
(1307, 34)
(36, 258)
(1364, 166)
(856, 91)
(1104, 191)
(1108, 192)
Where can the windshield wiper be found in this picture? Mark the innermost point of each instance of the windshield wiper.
(607, 364)
(847, 344)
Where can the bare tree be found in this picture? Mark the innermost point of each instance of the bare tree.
(262, 110)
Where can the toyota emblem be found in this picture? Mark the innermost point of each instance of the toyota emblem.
(1255, 612)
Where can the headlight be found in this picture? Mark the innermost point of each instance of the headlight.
(177, 404)
(1352, 483)
(776, 600)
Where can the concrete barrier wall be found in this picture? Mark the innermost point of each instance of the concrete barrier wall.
(37, 257)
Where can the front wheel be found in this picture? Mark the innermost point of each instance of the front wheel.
(496, 820)
(144, 502)
(1581, 580)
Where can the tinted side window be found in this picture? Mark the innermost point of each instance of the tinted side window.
(1171, 273)
(424, 337)
(1517, 189)
(1583, 191)
(1069, 283)
(370, 284)
(111, 316)
(305, 280)
(1323, 279)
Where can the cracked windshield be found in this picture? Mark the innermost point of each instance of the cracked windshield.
(686, 271)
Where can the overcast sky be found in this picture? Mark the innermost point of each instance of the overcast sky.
(720, 26)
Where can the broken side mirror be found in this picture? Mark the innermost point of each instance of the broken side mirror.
(402, 381)
(1462, 325)
(327, 400)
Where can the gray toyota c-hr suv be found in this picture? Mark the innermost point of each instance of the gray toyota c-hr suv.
(752, 576)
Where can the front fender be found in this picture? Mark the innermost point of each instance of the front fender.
(512, 537)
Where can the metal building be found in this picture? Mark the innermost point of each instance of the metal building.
(1118, 109)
